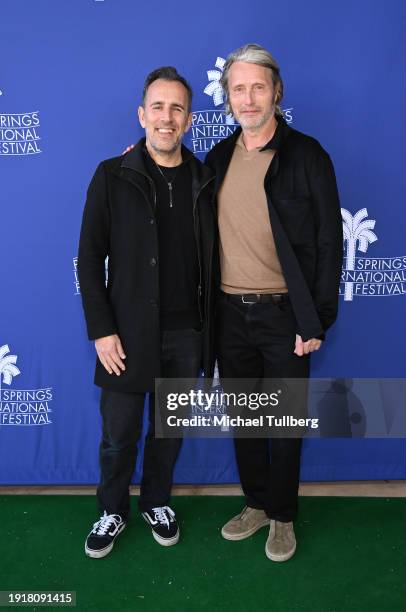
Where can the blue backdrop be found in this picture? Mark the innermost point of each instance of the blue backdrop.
(70, 81)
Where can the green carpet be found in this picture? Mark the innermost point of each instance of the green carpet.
(351, 556)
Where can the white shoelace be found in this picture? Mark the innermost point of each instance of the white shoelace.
(161, 515)
(107, 521)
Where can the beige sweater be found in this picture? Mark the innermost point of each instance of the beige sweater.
(248, 258)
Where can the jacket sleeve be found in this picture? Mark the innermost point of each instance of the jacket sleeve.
(93, 250)
(329, 238)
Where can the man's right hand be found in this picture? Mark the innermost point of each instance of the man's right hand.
(110, 353)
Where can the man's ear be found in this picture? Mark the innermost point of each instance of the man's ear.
(141, 116)
(189, 122)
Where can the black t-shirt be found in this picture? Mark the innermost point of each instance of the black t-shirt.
(177, 256)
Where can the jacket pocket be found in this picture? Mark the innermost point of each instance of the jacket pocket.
(296, 215)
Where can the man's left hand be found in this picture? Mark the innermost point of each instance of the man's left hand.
(304, 348)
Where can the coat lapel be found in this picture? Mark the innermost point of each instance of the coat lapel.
(223, 162)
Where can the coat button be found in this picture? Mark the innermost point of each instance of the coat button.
(152, 221)
(153, 261)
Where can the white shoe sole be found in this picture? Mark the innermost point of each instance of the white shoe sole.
(99, 554)
(242, 536)
(280, 558)
(166, 541)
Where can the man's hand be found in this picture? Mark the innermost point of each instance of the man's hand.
(303, 348)
(128, 149)
(110, 353)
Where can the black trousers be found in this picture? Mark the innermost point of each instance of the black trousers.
(122, 415)
(257, 341)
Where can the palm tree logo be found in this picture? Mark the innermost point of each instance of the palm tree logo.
(214, 89)
(8, 369)
(358, 235)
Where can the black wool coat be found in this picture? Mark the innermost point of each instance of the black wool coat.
(304, 212)
(119, 222)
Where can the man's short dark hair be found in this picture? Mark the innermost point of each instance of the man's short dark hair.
(168, 73)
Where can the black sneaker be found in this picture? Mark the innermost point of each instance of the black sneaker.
(163, 524)
(100, 540)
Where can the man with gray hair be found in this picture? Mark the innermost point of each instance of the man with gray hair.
(280, 257)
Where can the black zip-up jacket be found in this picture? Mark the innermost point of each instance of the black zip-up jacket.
(119, 222)
(304, 212)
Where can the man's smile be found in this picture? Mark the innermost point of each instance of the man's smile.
(165, 130)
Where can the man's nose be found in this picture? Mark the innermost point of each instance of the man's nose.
(166, 114)
(248, 96)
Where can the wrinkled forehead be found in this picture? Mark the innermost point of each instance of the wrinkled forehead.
(248, 73)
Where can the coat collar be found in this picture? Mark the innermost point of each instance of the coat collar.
(227, 149)
(135, 160)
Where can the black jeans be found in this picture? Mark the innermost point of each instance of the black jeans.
(257, 341)
(122, 415)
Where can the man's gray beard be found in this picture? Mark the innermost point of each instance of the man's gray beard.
(167, 152)
(261, 121)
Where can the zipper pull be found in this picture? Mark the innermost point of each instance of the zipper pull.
(170, 195)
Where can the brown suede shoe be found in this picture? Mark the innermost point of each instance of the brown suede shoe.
(281, 542)
(245, 524)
